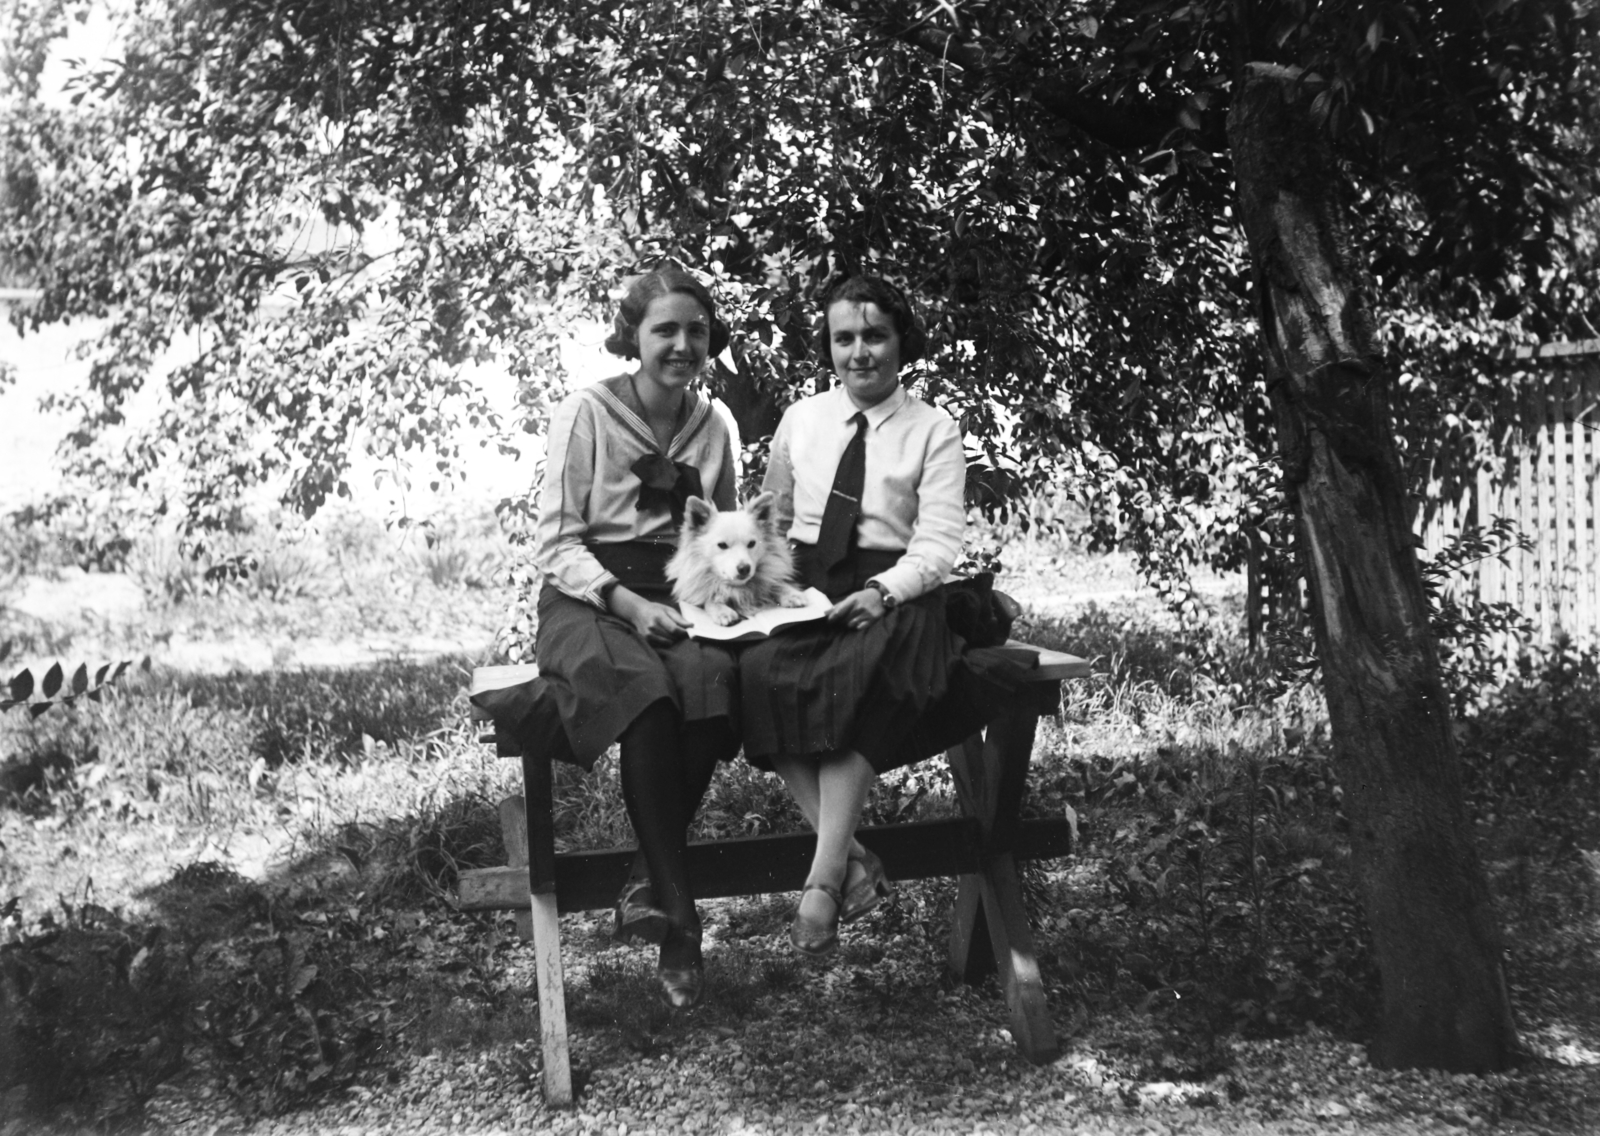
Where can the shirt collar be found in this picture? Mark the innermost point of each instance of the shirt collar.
(618, 393)
(876, 415)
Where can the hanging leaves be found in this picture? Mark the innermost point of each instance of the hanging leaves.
(21, 687)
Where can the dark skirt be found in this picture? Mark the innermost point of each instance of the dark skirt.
(897, 692)
(596, 674)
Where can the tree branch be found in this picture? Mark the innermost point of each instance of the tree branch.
(1060, 94)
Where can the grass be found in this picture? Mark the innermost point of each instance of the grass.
(239, 884)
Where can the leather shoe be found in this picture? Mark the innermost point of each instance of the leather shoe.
(816, 938)
(636, 918)
(681, 986)
(869, 891)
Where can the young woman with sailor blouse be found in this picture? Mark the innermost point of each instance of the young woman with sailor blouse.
(615, 660)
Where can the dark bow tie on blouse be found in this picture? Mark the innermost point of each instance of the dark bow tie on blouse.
(666, 484)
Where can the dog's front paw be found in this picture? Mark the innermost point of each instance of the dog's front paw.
(793, 597)
(722, 615)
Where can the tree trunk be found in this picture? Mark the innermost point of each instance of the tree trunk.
(1427, 902)
(754, 408)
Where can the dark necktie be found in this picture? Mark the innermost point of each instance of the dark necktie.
(836, 538)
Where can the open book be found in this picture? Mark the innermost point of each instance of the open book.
(760, 625)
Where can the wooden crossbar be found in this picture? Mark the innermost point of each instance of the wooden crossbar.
(762, 865)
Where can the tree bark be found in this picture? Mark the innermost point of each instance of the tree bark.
(1434, 934)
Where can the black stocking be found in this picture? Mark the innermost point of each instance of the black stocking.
(706, 744)
(653, 789)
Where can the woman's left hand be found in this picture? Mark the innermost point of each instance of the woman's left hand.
(858, 610)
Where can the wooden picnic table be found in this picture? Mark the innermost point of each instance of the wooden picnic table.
(989, 933)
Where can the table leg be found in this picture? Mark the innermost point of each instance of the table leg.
(990, 775)
(514, 832)
(536, 777)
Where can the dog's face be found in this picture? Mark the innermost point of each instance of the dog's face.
(730, 543)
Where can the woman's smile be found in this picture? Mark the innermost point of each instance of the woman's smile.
(674, 340)
(866, 351)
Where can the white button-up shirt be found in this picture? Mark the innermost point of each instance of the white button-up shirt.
(913, 497)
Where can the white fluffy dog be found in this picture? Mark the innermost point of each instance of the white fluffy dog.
(732, 564)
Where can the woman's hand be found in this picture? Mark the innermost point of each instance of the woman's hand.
(858, 610)
(658, 624)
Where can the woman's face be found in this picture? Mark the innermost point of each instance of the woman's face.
(866, 351)
(674, 338)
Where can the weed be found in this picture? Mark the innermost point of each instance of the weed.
(426, 851)
(279, 1021)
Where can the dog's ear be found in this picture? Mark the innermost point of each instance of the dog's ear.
(697, 515)
(761, 509)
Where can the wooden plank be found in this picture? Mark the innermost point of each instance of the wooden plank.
(536, 783)
(494, 678)
(1578, 596)
(1527, 572)
(1583, 475)
(1483, 572)
(1011, 943)
(1053, 666)
(1528, 508)
(973, 789)
(552, 1000)
(1559, 350)
(971, 954)
(1569, 348)
(1560, 480)
(1592, 493)
(761, 865)
(991, 775)
(514, 831)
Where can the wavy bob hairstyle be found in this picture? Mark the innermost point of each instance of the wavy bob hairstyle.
(624, 337)
(890, 300)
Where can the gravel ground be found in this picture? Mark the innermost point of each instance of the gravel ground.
(881, 1041)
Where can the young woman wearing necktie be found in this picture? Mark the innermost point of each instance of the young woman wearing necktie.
(870, 481)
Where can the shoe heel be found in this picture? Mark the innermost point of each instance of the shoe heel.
(681, 987)
(635, 919)
(817, 939)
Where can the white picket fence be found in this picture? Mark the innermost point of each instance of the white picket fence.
(1549, 485)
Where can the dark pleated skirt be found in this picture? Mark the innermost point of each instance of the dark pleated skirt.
(596, 674)
(902, 690)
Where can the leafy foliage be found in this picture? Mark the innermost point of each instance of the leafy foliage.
(278, 1029)
(354, 207)
(94, 1019)
(101, 1010)
(1475, 636)
(1533, 740)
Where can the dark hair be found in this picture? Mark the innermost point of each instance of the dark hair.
(658, 282)
(889, 299)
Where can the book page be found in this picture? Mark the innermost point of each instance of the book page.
(760, 625)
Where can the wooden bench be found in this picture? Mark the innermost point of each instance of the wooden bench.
(982, 846)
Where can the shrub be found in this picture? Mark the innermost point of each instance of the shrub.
(1533, 741)
(92, 1019)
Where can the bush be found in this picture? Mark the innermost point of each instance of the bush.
(92, 1019)
(1534, 741)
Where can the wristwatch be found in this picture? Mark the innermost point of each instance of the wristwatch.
(884, 594)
